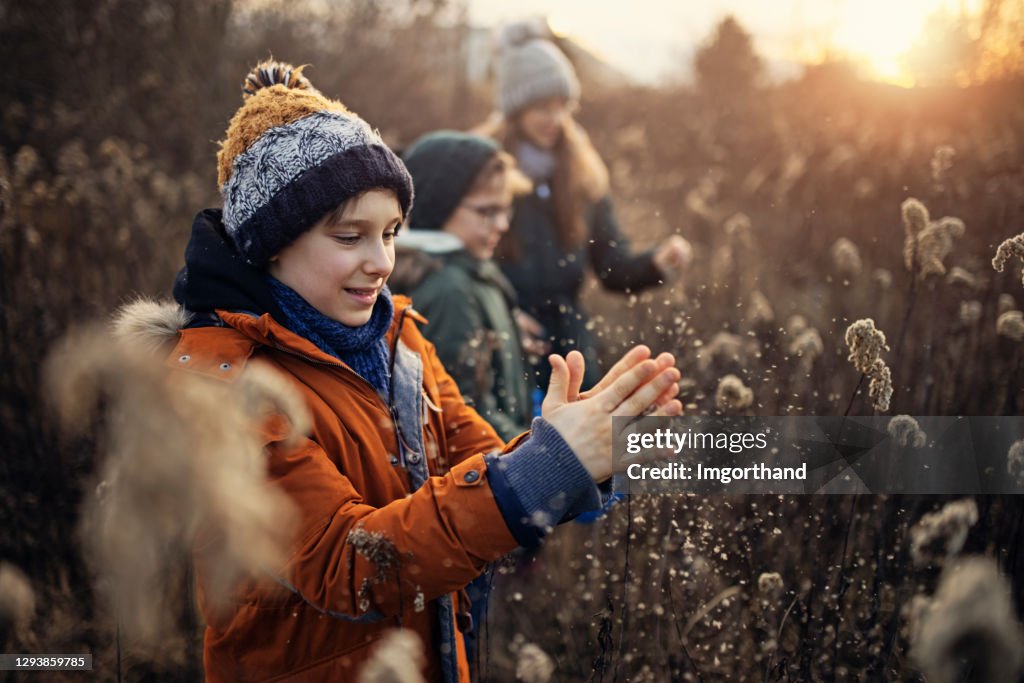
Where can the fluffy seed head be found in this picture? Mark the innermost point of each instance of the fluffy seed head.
(807, 345)
(934, 244)
(970, 312)
(739, 229)
(534, 665)
(398, 658)
(942, 162)
(796, 324)
(880, 386)
(725, 348)
(732, 394)
(906, 431)
(1010, 248)
(846, 257)
(1011, 325)
(969, 630)
(1015, 462)
(941, 535)
(770, 583)
(17, 601)
(960, 277)
(882, 277)
(866, 343)
(759, 310)
(915, 215)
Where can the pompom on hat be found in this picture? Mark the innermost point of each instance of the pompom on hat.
(290, 156)
(531, 68)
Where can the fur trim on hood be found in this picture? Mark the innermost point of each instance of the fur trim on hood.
(429, 241)
(150, 325)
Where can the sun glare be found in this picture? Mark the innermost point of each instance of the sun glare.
(879, 33)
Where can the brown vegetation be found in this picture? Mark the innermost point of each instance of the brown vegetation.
(107, 147)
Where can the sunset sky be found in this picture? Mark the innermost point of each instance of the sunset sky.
(654, 39)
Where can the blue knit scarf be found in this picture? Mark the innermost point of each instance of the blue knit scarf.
(364, 348)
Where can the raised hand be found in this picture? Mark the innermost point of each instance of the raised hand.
(673, 256)
(635, 385)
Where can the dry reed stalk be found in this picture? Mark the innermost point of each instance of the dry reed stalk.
(183, 468)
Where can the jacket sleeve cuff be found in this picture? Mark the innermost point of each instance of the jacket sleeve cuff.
(540, 484)
(605, 493)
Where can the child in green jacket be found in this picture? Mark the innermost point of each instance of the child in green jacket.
(465, 186)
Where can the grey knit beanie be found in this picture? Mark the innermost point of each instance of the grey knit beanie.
(531, 68)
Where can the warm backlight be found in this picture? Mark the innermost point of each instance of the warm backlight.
(880, 33)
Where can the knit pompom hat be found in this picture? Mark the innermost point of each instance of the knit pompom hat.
(290, 156)
(443, 165)
(531, 68)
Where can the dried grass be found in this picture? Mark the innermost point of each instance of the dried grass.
(182, 465)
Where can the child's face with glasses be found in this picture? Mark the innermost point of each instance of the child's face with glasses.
(482, 218)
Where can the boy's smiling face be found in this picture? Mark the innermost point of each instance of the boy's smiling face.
(340, 265)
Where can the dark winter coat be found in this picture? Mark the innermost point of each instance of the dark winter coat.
(548, 277)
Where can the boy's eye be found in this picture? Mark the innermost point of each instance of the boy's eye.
(347, 239)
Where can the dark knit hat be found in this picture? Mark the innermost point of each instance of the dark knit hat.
(290, 156)
(443, 165)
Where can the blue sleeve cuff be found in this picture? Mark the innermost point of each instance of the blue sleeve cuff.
(589, 506)
(540, 484)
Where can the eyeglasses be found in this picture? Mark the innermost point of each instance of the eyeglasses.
(491, 212)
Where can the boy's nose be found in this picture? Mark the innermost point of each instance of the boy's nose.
(379, 261)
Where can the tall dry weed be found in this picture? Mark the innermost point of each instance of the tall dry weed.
(17, 603)
(969, 630)
(397, 658)
(182, 466)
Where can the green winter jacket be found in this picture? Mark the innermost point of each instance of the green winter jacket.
(469, 306)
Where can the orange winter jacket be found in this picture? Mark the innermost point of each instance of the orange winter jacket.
(429, 498)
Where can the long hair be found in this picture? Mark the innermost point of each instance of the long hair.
(580, 179)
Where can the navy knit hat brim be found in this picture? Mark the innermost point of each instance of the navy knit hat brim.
(443, 165)
(303, 202)
(291, 156)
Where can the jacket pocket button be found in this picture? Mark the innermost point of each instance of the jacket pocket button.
(471, 476)
(414, 458)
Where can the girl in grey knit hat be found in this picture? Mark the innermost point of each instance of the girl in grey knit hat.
(568, 219)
